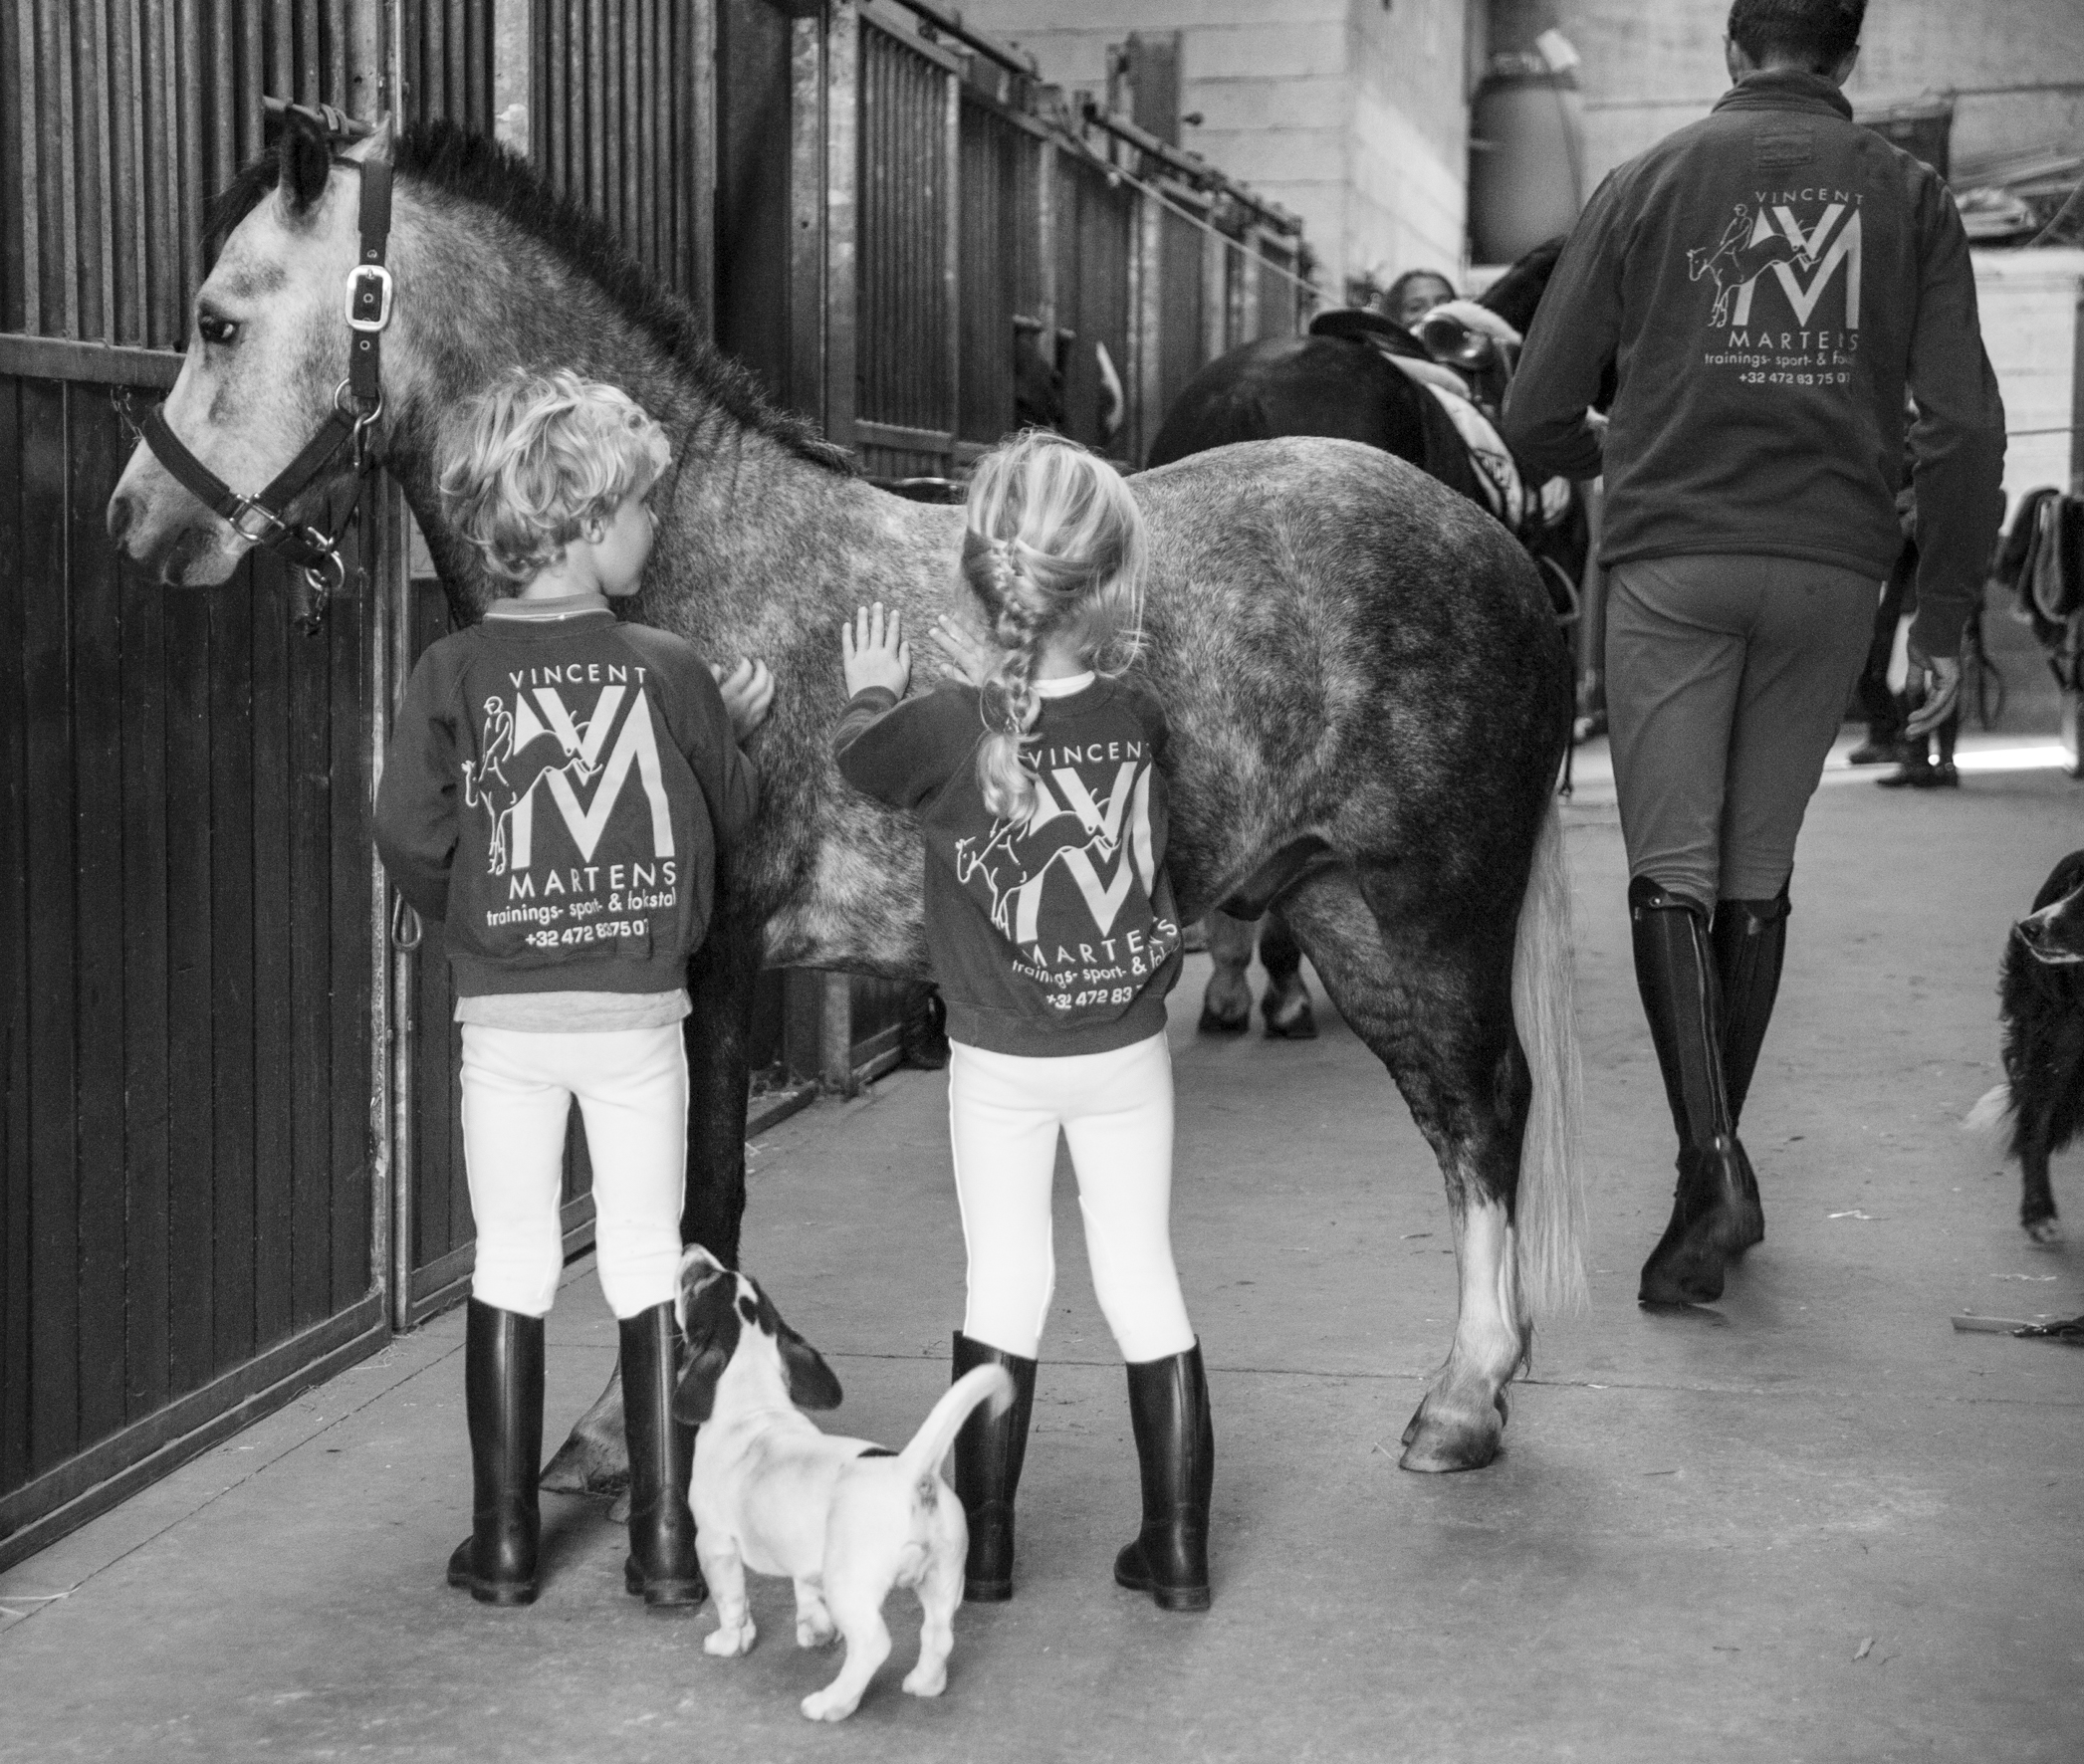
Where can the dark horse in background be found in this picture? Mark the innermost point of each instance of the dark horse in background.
(1342, 380)
(1368, 695)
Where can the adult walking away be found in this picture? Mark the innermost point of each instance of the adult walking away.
(1767, 284)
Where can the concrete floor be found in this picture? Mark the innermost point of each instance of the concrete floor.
(1811, 1523)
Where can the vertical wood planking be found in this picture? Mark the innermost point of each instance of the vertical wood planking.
(20, 265)
(187, 157)
(191, 1029)
(57, 219)
(49, 871)
(348, 780)
(145, 1028)
(233, 908)
(311, 876)
(89, 58)
(17, 1165)
(93, 455)
(128, 274)
(274, 1017)
(161, 204)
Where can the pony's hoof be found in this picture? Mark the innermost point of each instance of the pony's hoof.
(1292, 1020)
(1438, 1442)
(2047, 1232)
(1214, 1023)
(1694, 1279)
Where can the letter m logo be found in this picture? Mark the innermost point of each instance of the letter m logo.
(635, 749)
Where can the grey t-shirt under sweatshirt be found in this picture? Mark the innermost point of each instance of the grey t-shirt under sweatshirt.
(1768, 281)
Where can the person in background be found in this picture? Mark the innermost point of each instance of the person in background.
(1769, 282)
(1413, 294)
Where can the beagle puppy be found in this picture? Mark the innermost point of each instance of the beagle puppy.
(844, 1519)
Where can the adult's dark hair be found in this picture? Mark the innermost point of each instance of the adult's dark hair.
(1816, 33)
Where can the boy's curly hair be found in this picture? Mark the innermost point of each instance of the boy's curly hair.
(526, 466)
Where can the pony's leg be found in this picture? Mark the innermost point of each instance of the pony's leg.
(1226, 1007)
(594, 1460)
(1431, 994)
(1285, 1003)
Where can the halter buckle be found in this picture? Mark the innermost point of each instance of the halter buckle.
(270, 522)
(360, 279)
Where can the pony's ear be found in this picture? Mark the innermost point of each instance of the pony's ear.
(304, 164)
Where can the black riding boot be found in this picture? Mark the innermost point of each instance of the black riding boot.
(1750, 944)
(1176, 1450)
(987, 1455)
(502, 1401)
(661, 1564)
(1714, 1212)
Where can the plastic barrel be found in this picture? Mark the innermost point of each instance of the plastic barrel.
(1525, 163)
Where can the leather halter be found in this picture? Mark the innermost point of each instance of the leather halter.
(356, 403)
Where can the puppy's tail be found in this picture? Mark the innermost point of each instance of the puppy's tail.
(922, 1456)
(1988, 1116)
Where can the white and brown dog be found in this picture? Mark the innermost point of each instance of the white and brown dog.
(845, 1519)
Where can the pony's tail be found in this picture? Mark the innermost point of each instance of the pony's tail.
(1550, 1212)
(1988, 1116)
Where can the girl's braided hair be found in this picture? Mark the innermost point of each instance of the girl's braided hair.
(1054, 543)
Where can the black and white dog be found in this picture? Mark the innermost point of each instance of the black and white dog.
(844, 1519)
(2041, 1004)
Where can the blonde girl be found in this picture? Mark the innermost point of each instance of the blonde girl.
(1038, 789)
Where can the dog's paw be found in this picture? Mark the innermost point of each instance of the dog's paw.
(815, 1632)
(830, 1705)
(728, 1641)
(923, 1680)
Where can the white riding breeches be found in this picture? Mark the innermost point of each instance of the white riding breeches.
(517, 1089)
(1004, 1114)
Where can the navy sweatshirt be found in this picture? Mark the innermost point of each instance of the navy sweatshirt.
(1051, 935)
(558, 792)
(1768, 281)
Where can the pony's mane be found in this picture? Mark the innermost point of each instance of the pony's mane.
(475, 169)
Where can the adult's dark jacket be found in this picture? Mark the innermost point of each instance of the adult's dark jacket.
(1768, 283)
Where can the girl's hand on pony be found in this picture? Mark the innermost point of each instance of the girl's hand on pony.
(875, 652)
(748, 692)
(969, 655)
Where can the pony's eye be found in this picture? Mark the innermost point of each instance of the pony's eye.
(216, 330)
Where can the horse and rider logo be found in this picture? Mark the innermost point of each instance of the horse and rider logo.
(1105, 850)
(514, 760)
(1771, 239)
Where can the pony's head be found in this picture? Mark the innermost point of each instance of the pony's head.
(269, 345)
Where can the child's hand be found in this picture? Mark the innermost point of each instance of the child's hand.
(876, 653)
(748, 691)
(970, 657)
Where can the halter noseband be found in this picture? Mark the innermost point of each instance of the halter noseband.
(356, 403)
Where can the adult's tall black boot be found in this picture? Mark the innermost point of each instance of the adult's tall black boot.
(1751, 946)
(1715, 1209)
(503, 1401)
(1176, 1452)
(989, 1453)
(661, 1566)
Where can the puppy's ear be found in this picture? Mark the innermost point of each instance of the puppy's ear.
(709, 1322)
(812, 1384)
(694, 1396)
